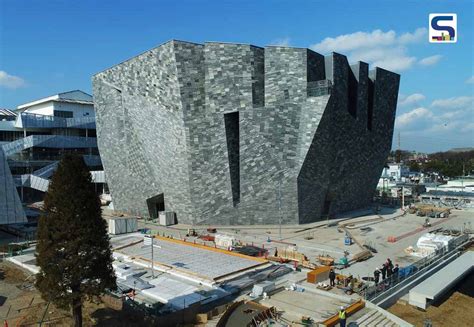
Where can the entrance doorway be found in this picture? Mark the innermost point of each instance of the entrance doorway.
(326, 205)
(155, 205)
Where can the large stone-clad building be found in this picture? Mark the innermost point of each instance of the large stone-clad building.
(237, 134)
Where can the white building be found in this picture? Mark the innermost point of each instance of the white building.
(461, 184)
(456, 193)
(395, 171)
(392, 174)
(72, 104)
(33, 138)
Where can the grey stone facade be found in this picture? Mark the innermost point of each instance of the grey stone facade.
(223, 133)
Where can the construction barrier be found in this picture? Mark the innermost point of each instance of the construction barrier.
(350, 310)
(318, 275)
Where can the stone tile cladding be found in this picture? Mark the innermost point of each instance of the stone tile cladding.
(225, 131)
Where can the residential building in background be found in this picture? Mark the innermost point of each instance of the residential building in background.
(457, 192)
(222, 133)
(395, 172)
(32, 140)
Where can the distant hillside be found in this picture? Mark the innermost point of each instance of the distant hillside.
(461, 150)
(451, 163)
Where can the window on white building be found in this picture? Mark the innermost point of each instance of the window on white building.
(63, 114)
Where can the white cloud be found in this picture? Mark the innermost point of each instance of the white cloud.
(412, 99)
(383, 49)
(450, 115)
(11, 81)
(468, 128)
(429, 61)
(446, 123)
(395, 63)
(414, 37)
(357, 40)
(470, 80)
(397, 59)
(414, 119)
(454, 103)
(282, 42)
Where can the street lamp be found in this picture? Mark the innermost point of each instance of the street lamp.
(149, 239)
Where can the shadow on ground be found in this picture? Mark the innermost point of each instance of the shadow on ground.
(110, 317)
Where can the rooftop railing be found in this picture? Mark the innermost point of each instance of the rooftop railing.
(319, 88)
(49, 141)
(392, 284)
(30, 120)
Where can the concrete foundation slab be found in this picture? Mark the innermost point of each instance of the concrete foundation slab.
(442, 281)
(174, 292)
(191, 259)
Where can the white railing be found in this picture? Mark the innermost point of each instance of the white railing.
(49, 141)
(30, 120)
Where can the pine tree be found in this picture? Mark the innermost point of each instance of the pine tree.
(73, 249)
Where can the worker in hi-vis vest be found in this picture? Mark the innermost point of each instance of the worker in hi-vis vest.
(342, 317)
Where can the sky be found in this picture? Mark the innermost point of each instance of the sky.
(47, 47)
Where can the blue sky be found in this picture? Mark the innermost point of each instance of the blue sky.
(51, 46)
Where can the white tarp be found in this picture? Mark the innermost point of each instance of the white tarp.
(266, 286)
(429, 243)
(433, 240)
(123, 271)
(223, 240)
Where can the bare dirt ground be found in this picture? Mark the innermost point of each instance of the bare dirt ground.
(456, 308)
(21, 305)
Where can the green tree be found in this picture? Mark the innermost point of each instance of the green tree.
(73, 249)
(414, 166)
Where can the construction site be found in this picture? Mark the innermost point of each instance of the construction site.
(232, 198)
(271, 275)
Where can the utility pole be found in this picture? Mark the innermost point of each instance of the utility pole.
(399, 148)
(150, 240)
(399, 151)
(279, 205)
(152, 259)
(403, 197)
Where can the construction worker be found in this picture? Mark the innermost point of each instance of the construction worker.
(384, 271)
(376, 275)
(389, 266)
(332, 277)
(342, 317)
(395, 272)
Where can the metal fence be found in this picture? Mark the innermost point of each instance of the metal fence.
(393, 283)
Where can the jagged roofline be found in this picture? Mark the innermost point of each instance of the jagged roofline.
(373, 70)
(211, 188)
